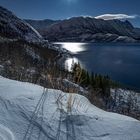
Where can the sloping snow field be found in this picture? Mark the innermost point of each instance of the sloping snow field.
(30, 112)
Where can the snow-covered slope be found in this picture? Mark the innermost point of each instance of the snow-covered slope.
(28, 111)
(14, 27)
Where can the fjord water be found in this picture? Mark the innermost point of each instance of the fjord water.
(120, 61)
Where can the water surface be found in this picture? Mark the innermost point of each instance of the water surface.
(120, 61)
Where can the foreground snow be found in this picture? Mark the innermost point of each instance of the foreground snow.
(28, 111)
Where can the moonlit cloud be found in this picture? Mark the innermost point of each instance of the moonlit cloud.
(116, 16)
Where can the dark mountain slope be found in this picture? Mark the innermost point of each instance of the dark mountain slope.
(15, 28)
(41, 25)
(91, 30)
(24, 55)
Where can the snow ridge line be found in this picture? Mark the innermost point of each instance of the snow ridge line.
(39, 105)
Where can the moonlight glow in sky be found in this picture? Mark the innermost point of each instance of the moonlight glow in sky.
(70, 1)
(61, 9)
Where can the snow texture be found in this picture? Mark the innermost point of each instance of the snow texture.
(30, 112)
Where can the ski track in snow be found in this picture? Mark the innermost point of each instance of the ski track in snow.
(28, 112)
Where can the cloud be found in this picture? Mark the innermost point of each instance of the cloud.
(116, 16)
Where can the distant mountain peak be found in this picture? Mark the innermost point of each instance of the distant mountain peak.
(89, 29)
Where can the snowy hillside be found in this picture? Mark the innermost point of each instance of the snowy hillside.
(28, 111)
(14, 27)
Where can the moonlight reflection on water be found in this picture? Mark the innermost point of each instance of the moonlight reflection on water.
(121, 62)
(73, 47)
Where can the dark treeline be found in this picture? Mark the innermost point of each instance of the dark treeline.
(94, 81)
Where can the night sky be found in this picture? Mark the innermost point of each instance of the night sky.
(61, 9)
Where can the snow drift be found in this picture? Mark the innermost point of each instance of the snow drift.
(30, 112)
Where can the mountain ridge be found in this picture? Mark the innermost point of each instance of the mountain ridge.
(15, 28)
(88, 29)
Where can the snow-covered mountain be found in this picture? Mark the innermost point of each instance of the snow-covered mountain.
(90, 30)
(30, 112)
(13, 27)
